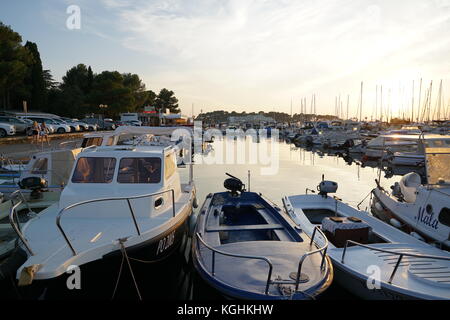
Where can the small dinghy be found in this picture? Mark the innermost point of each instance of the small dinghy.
(372, 259)
(247, 248)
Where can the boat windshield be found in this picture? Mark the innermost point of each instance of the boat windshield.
(438, 166)
(139, 170)
(94, 170)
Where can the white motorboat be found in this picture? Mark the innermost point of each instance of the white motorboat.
(420, 209)
(27, 206)
(378, 147)
(417, 157)
(120, 201)
(53, 165)
(371, 258)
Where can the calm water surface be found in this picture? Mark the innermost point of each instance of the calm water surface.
(293, 170)
(298, 169)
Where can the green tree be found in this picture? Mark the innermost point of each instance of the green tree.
(76, 77)
(35, 80)
(14, 68)
(90, 80)
(49, 81)
(151, 99)
(166, 100)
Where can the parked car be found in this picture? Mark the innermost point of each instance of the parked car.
(7, 129)
(74, 123)
(102, 125)
(74, 127)
(53, 124)
(136, 123)
(21, 125)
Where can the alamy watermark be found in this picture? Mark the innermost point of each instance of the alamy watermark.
(73, 22)
(231, 146)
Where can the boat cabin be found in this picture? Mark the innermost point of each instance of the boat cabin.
(53, 166)
(124, 171)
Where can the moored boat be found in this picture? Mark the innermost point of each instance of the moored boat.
(247, 248)
(372, 259)
(120, 202)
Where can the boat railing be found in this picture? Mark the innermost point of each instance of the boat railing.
(400, 254)
(127, 199)
(14, 219)
(320, 249)
(213, 260)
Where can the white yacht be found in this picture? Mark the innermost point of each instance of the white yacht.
(371, 259)
(378, 147)
(120, 201)
(416, 157)
(420, 209)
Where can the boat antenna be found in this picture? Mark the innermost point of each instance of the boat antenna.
(248, 180)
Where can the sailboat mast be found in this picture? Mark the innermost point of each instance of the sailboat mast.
(361, 103)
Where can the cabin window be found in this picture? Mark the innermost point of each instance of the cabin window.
(94, 170)
(97, 141)
(444, 216)
(139, 170)
(40, 166)
(169, 165)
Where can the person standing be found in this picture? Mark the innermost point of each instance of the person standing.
(35, 132)
(44, 133)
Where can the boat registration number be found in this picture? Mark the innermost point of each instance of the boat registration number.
(165, 243)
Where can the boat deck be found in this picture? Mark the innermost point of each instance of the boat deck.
(246, 226)
(91, 236)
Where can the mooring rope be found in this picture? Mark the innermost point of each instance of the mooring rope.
(125, 257)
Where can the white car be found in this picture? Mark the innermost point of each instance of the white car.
(7, 130)
(53, 124)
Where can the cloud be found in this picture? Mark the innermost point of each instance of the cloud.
(261, 52)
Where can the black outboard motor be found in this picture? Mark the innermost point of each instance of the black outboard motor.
(235, 185)
(326, 187)
(35, 184)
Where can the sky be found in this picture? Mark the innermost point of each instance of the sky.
(253, 55)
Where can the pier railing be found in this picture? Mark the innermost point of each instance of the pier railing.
(127, 199)
(400, 254)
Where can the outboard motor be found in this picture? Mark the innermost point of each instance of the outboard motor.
(326, 187)
(234, 184)
(348, 143)
(35, 184)
(309, 141)
(397, 191)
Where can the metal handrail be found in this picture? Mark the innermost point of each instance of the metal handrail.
(58, 217)
(214, 251)
(400, 254)
(322, 250)
(16, 227)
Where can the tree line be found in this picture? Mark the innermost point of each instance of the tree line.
(222, 116)
(81, 92)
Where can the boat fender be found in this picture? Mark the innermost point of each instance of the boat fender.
(27, 275)
(192, 224)
(379, 207)
(417, 236)
(9, 266)
(195, 203)
(395, 223)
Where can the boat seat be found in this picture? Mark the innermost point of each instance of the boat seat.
(246, 227)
